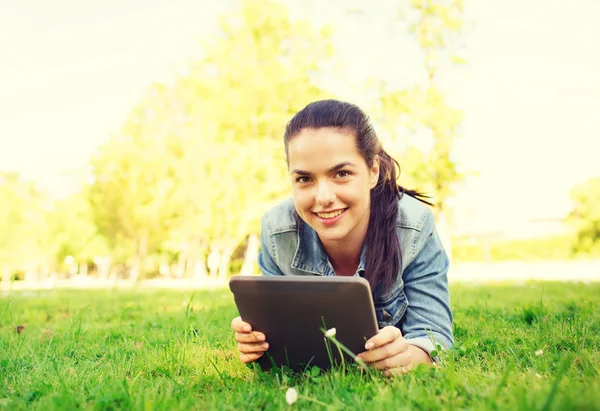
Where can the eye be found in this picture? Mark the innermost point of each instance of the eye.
(342, 174)
(303, 180)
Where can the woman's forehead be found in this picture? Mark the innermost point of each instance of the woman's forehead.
(311, 142)
(315, 150)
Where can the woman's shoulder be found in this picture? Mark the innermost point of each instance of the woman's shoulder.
(413, 214)
(281, 217)
(415, 226)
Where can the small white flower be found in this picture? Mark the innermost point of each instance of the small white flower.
(330, 333)
(538, 375)
(291, 396)
(539, 352)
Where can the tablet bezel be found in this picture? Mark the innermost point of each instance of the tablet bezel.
(287, 308)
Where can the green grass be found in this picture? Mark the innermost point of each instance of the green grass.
(174, 350)
(550, 248)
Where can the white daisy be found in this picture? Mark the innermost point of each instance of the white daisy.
(291, 396)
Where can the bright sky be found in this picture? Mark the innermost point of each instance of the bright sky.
(70, 71)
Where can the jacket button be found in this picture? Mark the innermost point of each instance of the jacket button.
(386, 316)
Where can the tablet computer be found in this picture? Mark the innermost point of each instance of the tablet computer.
(293, 311)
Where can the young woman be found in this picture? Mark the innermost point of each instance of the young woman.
(348, 216)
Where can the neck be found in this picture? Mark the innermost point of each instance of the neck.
(344, 254)
(344, 263)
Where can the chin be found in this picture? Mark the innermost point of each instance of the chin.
(331, 235)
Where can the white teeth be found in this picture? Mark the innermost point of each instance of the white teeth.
(330, 215)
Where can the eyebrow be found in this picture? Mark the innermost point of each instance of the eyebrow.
(337, 167)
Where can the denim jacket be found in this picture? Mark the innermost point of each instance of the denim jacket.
(419, 304)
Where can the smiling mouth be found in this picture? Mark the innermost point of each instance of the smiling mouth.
(332, 214)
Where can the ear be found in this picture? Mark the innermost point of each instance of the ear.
(374, 172)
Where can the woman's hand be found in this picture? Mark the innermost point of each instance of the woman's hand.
(251, 344)
(390, 352)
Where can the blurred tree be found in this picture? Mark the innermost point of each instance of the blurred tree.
(196, 164)
(423, 112)
(586, 216)
(423, 109)
(72, 232)
(253, 78)
(133, 184)
(22, 227)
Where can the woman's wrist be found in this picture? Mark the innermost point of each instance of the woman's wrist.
(419, 356)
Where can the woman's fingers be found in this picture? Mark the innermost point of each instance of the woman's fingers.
(240, 326)
(402, 360)
(246, 358)
(385, 336)
(398, 371)
(251, 344)
(253, 348)
(253, 337)
(243, 332)
(388, 350)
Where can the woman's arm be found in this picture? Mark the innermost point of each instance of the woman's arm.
(428, 319)
(252, 344)
(427, 322)
(266, 256)
(418, 355)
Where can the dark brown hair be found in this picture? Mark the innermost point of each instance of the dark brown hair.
(383, 257)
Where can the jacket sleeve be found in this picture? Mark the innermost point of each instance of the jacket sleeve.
(428, 319)
(266, 256)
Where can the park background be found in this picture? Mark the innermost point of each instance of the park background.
(141, 141)
(144, 141)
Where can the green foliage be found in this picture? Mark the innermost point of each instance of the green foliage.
(437, 26)
(131, 195)
(250, 83)
(147, 349)
(23, 227)
(585, 216)
(197, 163)
(73, 232)
(535, 249)
(36, 234)
(422, 110)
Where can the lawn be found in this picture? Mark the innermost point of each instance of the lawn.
(531, 346)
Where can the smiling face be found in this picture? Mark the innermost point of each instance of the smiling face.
(331, 184)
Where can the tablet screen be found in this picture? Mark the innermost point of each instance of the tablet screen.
(293, 311)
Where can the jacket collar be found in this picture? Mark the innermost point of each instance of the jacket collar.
(311, 257)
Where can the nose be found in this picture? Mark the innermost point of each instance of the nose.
(325, 194)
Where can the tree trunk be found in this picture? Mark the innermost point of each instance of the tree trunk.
(73, 269)
(251, 255)
(134, 271)
(196, 263)
(137, 271)
(181, 261)
(225, 260)
(46, 273)
(199, 271)
(103, 264)
(214, 259)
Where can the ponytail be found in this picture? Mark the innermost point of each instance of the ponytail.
(383, 255)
